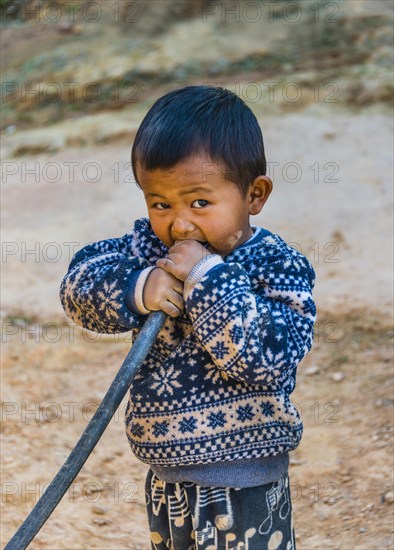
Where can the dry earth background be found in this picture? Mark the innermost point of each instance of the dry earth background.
(76, 83)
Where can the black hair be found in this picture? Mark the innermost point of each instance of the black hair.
(201, 120)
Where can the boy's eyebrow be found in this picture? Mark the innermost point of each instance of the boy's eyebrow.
(196, 190)
(186, 192)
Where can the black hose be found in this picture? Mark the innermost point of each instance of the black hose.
(88, 440)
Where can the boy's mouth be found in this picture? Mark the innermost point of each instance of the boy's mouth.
(204, 243)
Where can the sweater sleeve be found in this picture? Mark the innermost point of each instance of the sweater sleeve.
(99, 287)
(255, 333)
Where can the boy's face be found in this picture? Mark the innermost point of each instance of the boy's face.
(194, 200)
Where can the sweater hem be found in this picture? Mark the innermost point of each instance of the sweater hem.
(237, 474)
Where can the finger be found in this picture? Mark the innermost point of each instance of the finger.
(169, 308)
(187, 243)
(178, 289)
(170, 267)
(177, 244)
(180, 248)
(166, 264)
(177, 300)
(177, 286)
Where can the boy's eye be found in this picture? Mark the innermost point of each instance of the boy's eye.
(161, 206)
(199, 203)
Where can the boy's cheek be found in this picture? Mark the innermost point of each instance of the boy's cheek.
(160, 233)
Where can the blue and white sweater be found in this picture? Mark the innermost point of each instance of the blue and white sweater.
(215, 386)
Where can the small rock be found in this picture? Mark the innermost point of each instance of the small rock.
(368, 507)
(384, 402)
(99, 510)
(312, 370)
(93, 490)
(337, 237)
(362, 530)
(337, 376)
(389, 497)
(101, 521)
(321, 510)
(11, 10)
(65, 28)
(346, 478)
(296, 461)
(330, 500)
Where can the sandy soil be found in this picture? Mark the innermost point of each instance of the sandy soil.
(54, 375)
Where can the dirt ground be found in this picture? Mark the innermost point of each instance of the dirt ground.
(66, 182)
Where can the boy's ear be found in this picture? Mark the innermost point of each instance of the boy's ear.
(259, 191)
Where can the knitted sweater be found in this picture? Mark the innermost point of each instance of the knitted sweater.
(216, 384)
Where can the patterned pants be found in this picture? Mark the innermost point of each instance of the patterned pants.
(185, 516)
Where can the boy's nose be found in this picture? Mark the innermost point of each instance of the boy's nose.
(181, 228)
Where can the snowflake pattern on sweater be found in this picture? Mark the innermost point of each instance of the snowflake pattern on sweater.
(216, 384)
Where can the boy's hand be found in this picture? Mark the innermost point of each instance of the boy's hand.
(163, 291)
(182, 257)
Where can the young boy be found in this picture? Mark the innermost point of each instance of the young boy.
(209, 411)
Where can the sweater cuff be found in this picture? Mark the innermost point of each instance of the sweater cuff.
(199, 271)
(135, 301)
